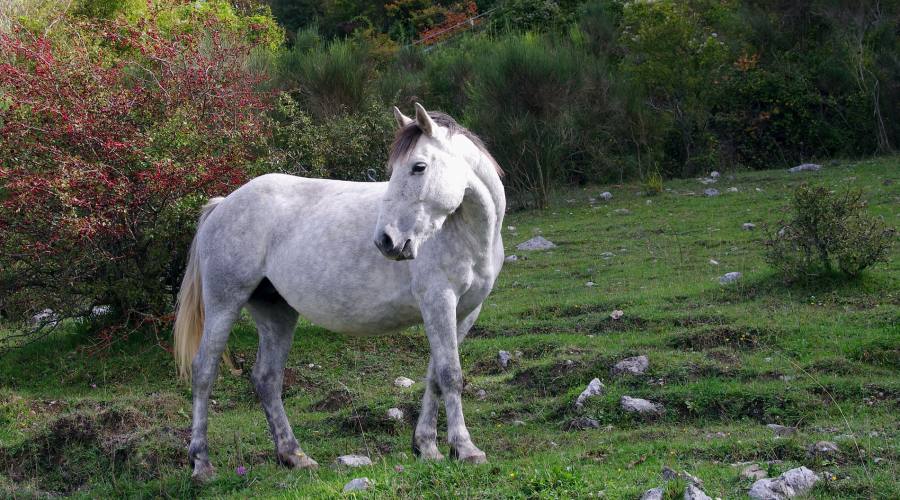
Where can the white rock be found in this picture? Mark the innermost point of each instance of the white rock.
(823, 448)
(395, 414)
(617, 314)
(589, 284)
(404, 382)
(503, 358)
(781, 430)
(510, 228)
(353, 461)
(358, 484)
(642, 406)
(748, 226)
(536, 243)
(606, 196)
(518, 423)
(692, 492)
(511, 258)
(792, 483)
(732, 189)
(481, 394)
(754, 472)
(100, 310)
(729, 278)
(654, 494)
(607, 255)
(805, 167)
(635, 366)
(711, 192)
(45, 317)
(594, 388)
(714, 262)
(714, 174)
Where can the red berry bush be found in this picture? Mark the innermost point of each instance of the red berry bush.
(108, 144)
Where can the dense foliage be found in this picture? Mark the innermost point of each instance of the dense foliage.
(827, 232)
(109, 143)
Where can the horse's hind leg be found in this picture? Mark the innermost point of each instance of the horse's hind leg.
(205, 367)
(275, 322)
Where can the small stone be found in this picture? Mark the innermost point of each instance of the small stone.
(781, 430)
(399, 468)
(640, 406)
(634, 366)
(805, 167)
(668, 474)
(690, 478)
(654, 494)
(358, 484)
(877, 460)
(511, 258)
(536, 243)
(481, 394)
(792, 483)
(353, 461)
(622, 211)
(606, 196)
(692, 492)
(607, 255)
(714, 262)
(518, 423)
(711, 192)
(100, 310)
(510, 228)
(582, 423)
(618, 313)
(503, 358)
(823, 449)
(404, 382)
(748, 226)
(754, 472)
(732, 189)
(714, 174)
(594, 388)
(589, 284)
(729, 277)
(395, 414)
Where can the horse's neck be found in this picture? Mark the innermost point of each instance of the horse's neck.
(483, 208)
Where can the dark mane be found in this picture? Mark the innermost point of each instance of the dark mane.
(407, 137)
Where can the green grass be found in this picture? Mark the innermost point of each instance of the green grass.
(724, 360)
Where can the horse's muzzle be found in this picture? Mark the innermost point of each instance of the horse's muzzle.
(392, 250)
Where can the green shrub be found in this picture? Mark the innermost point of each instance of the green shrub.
(828, 233)
(342, 147)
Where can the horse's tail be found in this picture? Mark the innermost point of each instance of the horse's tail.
(189, 306)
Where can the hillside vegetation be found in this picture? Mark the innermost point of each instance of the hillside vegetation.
(724, 360)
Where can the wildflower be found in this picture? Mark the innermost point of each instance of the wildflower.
(241, 471)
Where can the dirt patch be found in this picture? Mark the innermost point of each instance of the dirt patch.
(698, 321)
(550, 379)
(835, 366)
(556, 311)
(881, 352)
(335, 400)
(79, 447)
(623, 324)
(368, 420)
(736, 337)
(725, 356)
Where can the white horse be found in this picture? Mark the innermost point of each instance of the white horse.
(285, 246)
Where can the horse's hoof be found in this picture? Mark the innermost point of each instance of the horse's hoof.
(298, 460)
(428, 452)
(470, 455)
(203, 472)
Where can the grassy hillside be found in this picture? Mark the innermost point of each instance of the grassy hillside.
(724, 360)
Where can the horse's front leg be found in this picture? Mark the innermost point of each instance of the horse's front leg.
(425, 435)
(445, 374)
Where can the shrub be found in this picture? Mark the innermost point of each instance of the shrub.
(108, 146)
(347, 147)
(827, 233)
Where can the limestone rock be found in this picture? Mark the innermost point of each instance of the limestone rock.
(634, 366)
(792, 483)
(594, 388)
(536, 243)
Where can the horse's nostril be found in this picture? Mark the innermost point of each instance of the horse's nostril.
(386, 242)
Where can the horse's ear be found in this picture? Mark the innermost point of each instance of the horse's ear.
(402, 120)
(424, 121)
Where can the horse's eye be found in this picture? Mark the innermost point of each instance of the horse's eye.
(419, 167)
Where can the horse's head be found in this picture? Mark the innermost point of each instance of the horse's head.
(431, 166)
